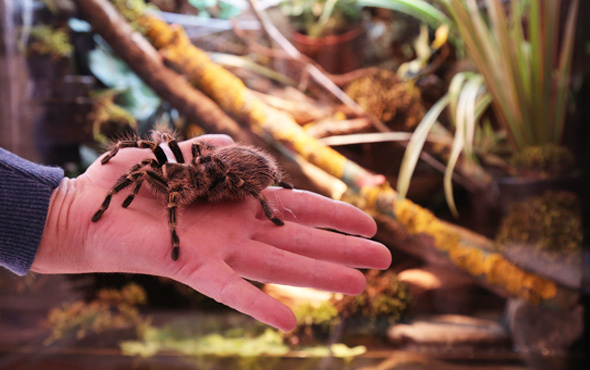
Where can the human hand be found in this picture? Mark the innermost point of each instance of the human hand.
(221, 243)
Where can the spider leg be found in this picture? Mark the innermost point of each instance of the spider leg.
(267, 211)
(173, 145)
(144, 144)
(154, 164)
(229, 176)
(148, 161)
(281, 183)
(264, 203)
(172, 205)
(158, 182)
(285, 185)
(124, 182)
(196, 151)
(121, 184)
(134, 192)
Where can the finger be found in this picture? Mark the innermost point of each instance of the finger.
(326, 245)
(267, 264)
(315, 210)
(211, 139)
(222, 283)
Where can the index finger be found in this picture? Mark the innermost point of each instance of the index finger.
(211, 139)
(315, 210)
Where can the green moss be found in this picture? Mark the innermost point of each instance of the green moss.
(551, 222)
(324, 315)
(155, 340)
(251, 347)
(384, 301)
(385, 297)
(130, 9)
(543, 160)
(111, 309)
(48, 40)
(109, 119)
(313, 323)
(133, 11)
(317, 18)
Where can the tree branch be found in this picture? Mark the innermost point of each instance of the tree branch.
(148, 64)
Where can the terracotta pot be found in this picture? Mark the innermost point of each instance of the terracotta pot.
(335, 53)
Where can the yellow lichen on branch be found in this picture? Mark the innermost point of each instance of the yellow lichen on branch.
(237, 100)
(491, 266)
(484, 264)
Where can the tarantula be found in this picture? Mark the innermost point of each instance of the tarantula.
(227, 173)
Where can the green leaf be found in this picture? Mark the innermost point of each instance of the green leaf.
(202, 4)
(528, 87)
(230, 60)
(136, 97)
(110, 70)
(416, 144)
(418, 9)
(563, 72)
(465, 127)
(455, 88)
(227, 10)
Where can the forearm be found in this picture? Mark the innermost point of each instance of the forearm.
(25, 192)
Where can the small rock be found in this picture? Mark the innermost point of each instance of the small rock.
(543, 335)
(449, 330)
(541, 329)
(437, 290)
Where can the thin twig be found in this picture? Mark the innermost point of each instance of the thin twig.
(403, 138)
(335, 129)
(345, 78)
(378, 138)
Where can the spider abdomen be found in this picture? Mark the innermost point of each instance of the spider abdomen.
(237, 171)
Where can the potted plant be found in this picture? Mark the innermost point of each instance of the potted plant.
(525, 79)
(522, 69)
(332, 32)
(328, 31)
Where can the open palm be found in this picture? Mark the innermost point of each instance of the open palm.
(222, 244)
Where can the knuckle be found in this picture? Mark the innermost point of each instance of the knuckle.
(346, 246)
(275, 259)
(225, 290)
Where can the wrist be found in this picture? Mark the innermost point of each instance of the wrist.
(55, 254)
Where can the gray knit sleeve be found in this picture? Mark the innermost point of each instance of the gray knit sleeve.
(25, 189)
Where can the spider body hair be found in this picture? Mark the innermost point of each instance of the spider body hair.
(213, 174)
(227, 174)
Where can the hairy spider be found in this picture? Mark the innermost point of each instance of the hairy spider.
(227, 173)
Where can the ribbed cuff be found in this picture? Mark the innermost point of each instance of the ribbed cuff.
(25, 190)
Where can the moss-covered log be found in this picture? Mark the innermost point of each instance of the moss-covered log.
(466, 250)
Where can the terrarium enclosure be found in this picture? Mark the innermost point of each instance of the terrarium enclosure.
(460, 126)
